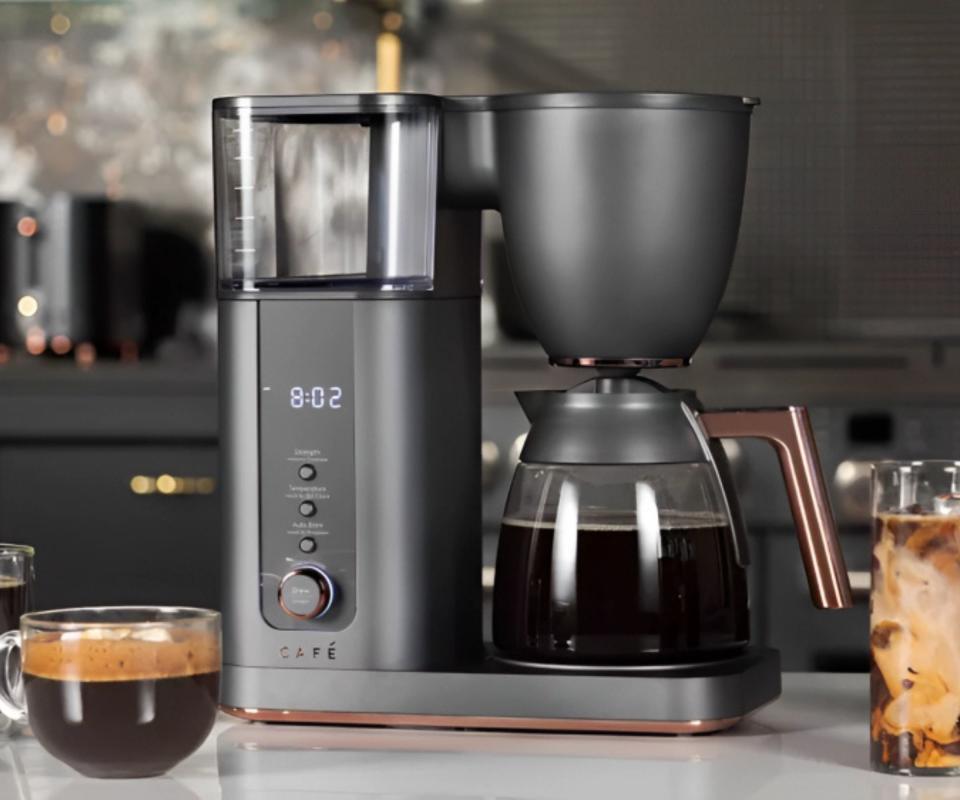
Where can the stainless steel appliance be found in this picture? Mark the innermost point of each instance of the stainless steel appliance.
(348, 247)
(71, 276)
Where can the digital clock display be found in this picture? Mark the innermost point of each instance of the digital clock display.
(316, 397)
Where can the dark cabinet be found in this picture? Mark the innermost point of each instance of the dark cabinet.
(111, 476)
(100, 543)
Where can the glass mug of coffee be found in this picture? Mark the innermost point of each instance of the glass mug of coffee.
(16, 594)
(915, 618)
(121, 692)
(16, 583)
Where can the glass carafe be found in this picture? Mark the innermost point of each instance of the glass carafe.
(618, 564)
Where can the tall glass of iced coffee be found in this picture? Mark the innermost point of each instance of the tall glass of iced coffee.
(915, 618)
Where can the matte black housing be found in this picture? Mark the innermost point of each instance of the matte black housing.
(620, 211)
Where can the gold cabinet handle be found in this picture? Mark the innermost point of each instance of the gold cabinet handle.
(172, 484)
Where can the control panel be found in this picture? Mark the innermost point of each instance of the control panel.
(308, 552)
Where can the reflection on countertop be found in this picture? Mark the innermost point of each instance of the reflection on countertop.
(811, 742)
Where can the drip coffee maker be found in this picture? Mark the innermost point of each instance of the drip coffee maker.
(348, 250)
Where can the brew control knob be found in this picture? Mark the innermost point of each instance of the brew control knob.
(306, 592)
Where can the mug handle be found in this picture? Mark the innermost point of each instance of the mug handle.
(11, 677)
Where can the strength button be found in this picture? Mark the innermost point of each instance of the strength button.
(307, 509)
(307, 472)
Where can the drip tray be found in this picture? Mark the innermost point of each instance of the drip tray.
(676, 699)
(500, 663)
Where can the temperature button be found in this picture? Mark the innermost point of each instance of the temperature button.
(307, 509)
(307, 472)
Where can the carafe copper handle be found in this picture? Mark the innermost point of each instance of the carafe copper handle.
(790, 433)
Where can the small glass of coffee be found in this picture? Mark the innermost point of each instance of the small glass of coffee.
(915, 618)
(115, 692)
(16, 583)
(16, 594)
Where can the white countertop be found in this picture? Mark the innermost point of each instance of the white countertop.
(811, 743)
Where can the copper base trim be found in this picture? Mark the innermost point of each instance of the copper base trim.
(621, 363)
(496, 723)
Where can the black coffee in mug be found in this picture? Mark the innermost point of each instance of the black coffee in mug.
(140, 704)
(13, 602)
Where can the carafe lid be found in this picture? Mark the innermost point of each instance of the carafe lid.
(613, 420)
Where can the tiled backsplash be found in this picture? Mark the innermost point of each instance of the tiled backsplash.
(114, 98)
(852, 214)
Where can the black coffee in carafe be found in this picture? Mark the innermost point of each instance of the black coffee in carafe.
(611, 592)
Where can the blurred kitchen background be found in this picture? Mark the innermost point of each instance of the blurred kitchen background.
(844, 294)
